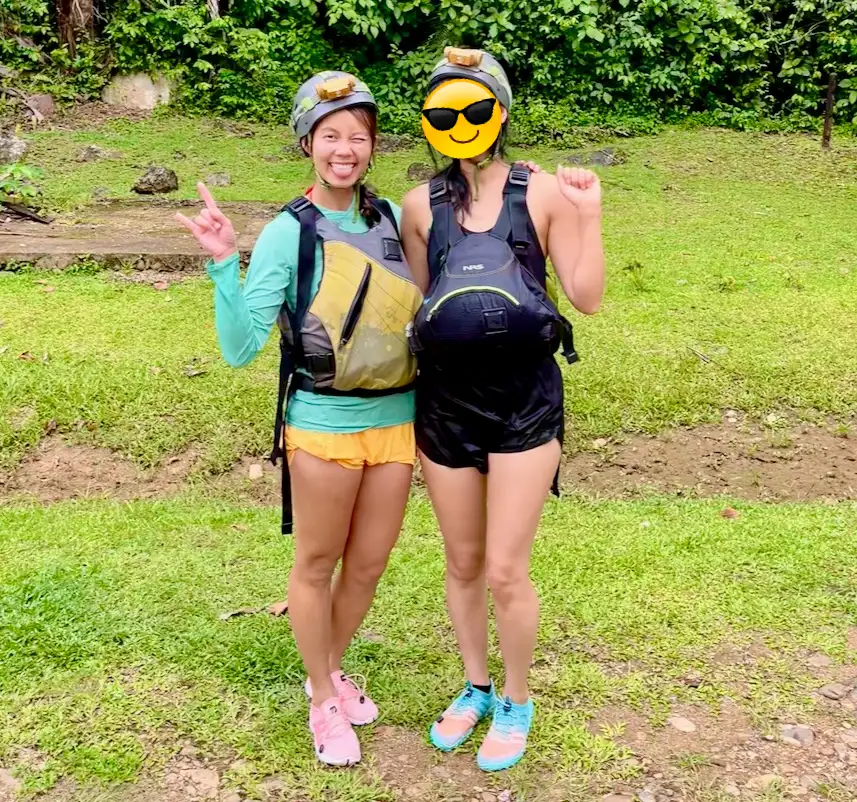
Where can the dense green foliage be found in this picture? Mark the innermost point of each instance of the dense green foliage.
(574, 62)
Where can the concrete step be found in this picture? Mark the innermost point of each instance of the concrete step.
(136, 235)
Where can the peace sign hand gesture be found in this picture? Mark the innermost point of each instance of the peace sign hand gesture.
(212, 229)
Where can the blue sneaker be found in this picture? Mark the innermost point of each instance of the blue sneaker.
(456, 724)
(506, 741)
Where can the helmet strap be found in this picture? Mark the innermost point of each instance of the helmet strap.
(480, 166)
(320, 179)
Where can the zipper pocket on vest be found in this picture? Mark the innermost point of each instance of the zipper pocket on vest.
(462, 290)
(353, 315)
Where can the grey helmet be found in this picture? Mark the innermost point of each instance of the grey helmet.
(324, 94)
(476, 65)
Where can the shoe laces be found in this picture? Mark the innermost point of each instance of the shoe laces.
(335, 722)
(463, 701)
(507, 719)
(355, 681)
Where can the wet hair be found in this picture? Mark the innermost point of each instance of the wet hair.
(459, 189)
(367, 116)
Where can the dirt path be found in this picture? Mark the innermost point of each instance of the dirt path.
(738, 458)
(773, 461)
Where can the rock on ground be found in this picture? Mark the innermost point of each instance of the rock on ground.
(681, 724)
(218, 180)
(12, 149)
(92, 153)
(156, 179)
(137, 91)
(801, 734)
(419, 171)
(44, 104)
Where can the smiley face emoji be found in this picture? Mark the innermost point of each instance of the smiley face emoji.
(461, 118)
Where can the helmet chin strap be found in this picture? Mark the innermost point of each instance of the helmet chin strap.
(321, 180)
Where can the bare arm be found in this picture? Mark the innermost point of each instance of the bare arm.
(574, 237)
(414, 231)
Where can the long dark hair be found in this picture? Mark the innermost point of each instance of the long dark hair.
(366, 116)
(459, 189)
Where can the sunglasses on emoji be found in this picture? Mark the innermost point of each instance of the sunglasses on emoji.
(476, 114)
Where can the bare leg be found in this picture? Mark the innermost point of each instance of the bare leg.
(375, 527)
(458, 498)
(324, 494)
(518, 485)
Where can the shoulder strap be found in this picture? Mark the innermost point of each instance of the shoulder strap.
(445, 229)
(383, 207)
(513, 222)
(307, 214)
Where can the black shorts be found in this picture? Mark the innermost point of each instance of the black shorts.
(462, 417)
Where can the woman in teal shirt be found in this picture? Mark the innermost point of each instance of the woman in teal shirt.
(351, 454)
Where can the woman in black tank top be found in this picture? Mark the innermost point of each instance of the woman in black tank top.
(490, 430)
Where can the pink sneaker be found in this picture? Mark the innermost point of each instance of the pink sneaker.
(335, 742)
(359, 708)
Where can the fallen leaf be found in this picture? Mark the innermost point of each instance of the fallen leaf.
(41, 281)
(48, 289)
(190, 371)
(27, 357)
(4, 349)
(50, 427)
(45, 357)
(240, 612)
(2, 323)
(730, 513)
(161, 285)
(241, 527)
(279, 608)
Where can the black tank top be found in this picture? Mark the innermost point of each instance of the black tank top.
(528, 251)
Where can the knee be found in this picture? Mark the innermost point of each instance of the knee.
(465, 568)
(507, 581)
(315, 570)
(363, 574)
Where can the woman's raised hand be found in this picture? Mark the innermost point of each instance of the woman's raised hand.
(580, 187)
(212, 229)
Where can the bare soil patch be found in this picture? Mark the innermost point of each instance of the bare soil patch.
(415, 771)
(698, 755)
(799, 462)
(794, 462)
(57, 471)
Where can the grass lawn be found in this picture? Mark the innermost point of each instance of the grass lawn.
(732, 263)
(738, 249)
(113, 650)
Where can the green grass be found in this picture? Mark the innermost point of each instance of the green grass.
(115, 371)
(264, 167)
(113, 651)
(738, 247)
(734, 246)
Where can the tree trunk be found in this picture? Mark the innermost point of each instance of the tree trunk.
(828, 112)
(214, 8)
(76, 21)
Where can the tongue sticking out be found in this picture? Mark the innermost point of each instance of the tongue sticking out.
(342, 170)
